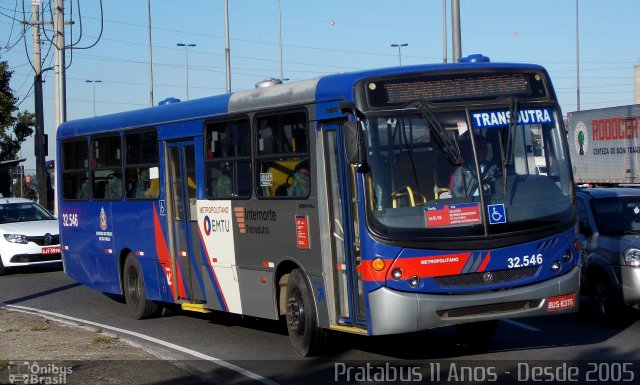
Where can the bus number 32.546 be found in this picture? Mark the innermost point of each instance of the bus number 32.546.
(533, 260)
(70, 220)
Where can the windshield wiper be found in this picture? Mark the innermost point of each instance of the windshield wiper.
(506, 146)
(511, 131)
(447, 145)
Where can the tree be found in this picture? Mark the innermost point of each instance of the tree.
(14, 129)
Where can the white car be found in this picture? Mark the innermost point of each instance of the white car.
(29, 234)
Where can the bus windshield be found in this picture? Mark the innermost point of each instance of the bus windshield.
(466, 172)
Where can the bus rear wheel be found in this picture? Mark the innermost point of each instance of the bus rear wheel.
(302, 320)
(134, 292)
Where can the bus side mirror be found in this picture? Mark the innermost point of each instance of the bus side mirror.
(354, 143)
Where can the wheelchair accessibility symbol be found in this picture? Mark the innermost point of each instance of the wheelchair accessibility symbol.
(497, 214)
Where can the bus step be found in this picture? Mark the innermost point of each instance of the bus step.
(197, 307)
(349, 329)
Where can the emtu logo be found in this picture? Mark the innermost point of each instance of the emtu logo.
(239, 213)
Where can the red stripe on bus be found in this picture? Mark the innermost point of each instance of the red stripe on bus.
(163, 254)
(485, 262)
(213, 271)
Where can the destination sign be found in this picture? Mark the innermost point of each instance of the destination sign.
(451, 87)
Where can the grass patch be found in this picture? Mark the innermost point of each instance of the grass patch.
(37, 328)
(11, 330)
(4, 365)
(103, 340)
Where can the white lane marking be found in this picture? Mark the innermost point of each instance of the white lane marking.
(521, 325)
(179, 348)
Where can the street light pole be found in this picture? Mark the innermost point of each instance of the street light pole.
(150, 55)
(280, 39)
(94, 93)
(577, 61)
(399, 52)
(227, 49)
(186, 57)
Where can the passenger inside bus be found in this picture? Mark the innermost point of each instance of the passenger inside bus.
(142, 184)
(83, 192)
(220, 184)
(114, 186)
(301, 180)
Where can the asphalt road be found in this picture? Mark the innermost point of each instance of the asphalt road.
(239, 350)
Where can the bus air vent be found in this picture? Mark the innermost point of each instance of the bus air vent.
(480, 279)
(491, 309)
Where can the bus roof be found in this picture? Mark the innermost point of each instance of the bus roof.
(328, 87)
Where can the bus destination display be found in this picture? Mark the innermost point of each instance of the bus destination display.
(452, 87)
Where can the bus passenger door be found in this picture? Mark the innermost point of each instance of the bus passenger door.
(182, 217)
(345, 238)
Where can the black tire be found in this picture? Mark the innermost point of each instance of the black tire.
(2, 268)
(306, 337)
(478, 334)
(605, 304)
(134, 292)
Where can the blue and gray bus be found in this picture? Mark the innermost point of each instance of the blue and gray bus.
(375, 202)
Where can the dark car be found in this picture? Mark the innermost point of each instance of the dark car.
(609, 220)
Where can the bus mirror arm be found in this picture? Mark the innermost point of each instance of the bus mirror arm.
(350, 108)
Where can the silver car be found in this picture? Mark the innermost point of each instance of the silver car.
(609, 220)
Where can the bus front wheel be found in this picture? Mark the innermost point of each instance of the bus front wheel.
(302, 320)
(134, 292)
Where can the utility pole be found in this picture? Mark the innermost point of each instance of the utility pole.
(60, 87)
(444, 31)
(455, 30)
(39, 139)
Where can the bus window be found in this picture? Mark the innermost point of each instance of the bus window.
(283, 156)
(75, 170)
(228, 159)
(107, 173)
(141, 165)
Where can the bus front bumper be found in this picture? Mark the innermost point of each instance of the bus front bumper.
(400, 312)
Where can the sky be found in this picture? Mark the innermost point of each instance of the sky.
(318, 38)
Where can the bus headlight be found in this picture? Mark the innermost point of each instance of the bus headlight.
(396, 274)
(567, 256)
(414, 281)
(632, 257)
(555, 266)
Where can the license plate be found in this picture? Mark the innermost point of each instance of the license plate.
(561, 302)
(51, 250)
